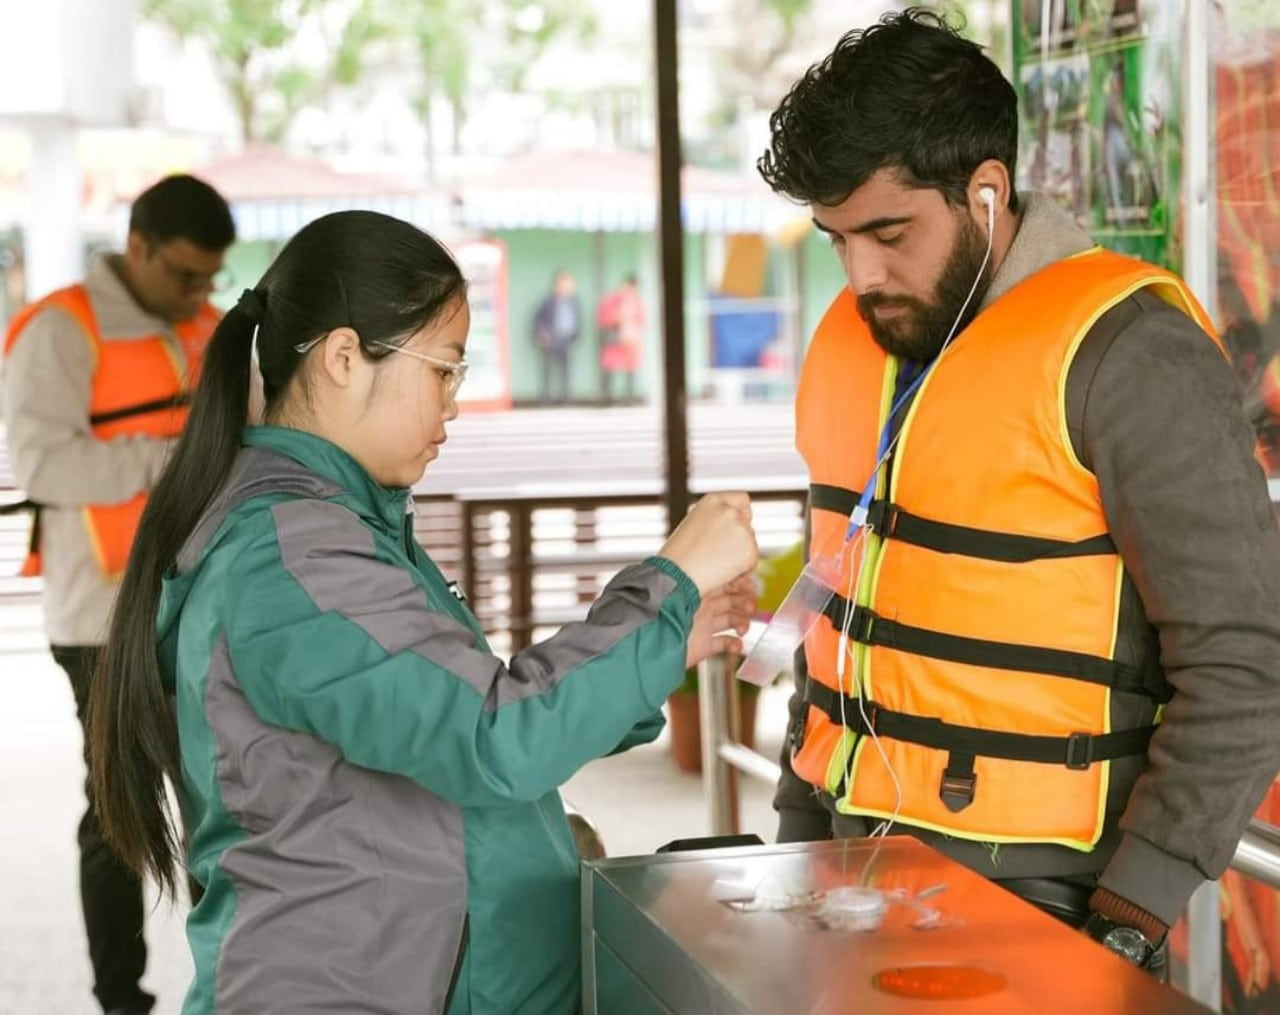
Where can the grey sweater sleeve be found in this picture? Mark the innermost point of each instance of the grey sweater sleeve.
(48, 379)
(1187, 505)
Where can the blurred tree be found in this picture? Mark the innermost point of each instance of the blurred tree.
(276, 56)
(763, 32)
(255, 49)
(750, 48)
(461, 46)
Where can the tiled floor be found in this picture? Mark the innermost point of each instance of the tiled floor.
(637, 800)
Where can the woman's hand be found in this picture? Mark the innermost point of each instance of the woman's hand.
(714, 544)
(728, 608)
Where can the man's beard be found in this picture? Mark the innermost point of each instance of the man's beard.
(922, 330)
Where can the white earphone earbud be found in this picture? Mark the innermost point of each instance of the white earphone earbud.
(988, 197)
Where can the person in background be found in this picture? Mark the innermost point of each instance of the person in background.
(556, 327)
(1054, 650)
(621, 319)
(95, 382)
(370, 793)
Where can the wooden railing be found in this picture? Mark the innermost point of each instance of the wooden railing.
(534, 558)
(530, 558)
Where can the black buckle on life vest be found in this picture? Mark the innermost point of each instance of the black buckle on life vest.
(957, 791)
(1079, 751)
(795, 730)
(959, 782)
(882, 516)
(860, 628)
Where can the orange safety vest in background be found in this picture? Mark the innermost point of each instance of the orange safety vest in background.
(139, 387)
(986, 596)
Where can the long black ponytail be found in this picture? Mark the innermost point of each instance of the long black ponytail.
(384, 278)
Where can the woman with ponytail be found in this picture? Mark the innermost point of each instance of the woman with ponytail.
(368, 793)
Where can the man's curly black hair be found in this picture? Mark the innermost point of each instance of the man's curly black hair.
(907, 94)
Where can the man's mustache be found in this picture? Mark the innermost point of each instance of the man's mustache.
(873, 301)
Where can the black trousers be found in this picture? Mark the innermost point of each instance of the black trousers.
(110, 894)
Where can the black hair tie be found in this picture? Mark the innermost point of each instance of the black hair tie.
(252, 305)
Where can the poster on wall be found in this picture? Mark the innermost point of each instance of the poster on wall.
(1246, 79)
(1054, 130)
(1099, 131)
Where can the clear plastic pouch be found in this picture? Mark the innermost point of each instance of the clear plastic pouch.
(791, 622)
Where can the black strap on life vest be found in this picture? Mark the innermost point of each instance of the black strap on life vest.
(141, 409)
(839, 499)
(869, 629)
(33, 537)
(966, 743)
(889, 521)
(97, 419)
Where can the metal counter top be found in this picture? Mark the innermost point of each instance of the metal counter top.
(656, 941)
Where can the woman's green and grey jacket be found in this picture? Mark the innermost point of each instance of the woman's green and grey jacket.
(370, 794)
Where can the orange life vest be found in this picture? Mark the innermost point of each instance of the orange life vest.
(983, 601)
(139, 387)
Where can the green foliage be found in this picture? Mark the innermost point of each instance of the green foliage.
(251, 45)
(251, 42)
(530, 28)
(789, 11)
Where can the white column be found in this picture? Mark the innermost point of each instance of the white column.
(53, 242)
(1200, 243)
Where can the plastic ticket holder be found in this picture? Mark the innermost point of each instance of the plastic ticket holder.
(805, 603)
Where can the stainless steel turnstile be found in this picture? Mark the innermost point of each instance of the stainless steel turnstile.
(656, 941)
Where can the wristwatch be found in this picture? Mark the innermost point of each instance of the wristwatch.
(1128, 942)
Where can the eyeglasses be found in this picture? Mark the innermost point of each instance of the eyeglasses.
(190, 280)
(453, 374)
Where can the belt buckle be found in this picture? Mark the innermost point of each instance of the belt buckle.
(1079, 751)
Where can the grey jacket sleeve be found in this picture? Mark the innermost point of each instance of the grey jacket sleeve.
(801, 816)
(1187, 506)
(48, 380)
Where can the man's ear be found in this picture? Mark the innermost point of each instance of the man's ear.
(991, 177)
(136, 247)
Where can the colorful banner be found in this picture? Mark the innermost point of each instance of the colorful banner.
(1097, 82)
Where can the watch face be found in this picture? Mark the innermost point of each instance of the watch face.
(1129, 944)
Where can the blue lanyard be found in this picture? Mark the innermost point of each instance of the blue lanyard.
(859, 516)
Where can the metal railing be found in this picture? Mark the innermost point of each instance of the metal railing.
(724, 757)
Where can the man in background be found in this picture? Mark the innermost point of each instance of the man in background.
(556, 327)
(95, 382)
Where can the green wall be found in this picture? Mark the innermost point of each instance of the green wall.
(247, 262)
(823, 280)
